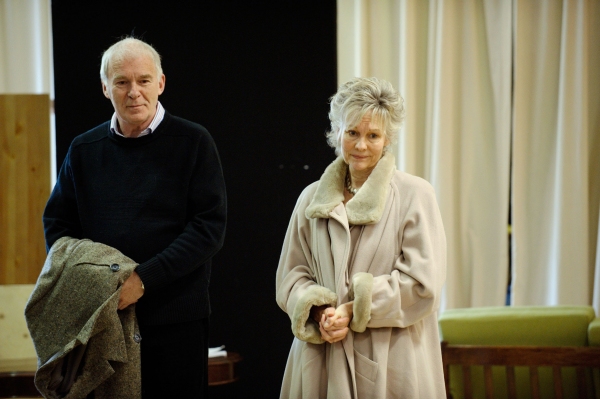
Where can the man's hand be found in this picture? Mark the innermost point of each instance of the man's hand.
(131, 291)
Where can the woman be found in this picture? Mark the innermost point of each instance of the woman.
(363, 264)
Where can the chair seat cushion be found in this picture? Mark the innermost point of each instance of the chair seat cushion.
(518, 325)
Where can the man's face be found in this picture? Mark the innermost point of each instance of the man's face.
(133, 88)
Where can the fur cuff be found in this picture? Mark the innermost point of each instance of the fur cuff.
(302, 326)
(360, 292)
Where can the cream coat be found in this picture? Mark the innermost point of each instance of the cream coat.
(395, 280)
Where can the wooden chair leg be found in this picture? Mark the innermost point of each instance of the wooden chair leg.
(489, 382)
(447, 380)
(467, 382)
(557, 377)
(510, 380)
(581, 382)
(534, 382)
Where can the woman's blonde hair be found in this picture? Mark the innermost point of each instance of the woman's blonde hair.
(356, 98)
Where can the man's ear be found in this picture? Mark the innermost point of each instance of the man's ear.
(105, 90)
(161, 84)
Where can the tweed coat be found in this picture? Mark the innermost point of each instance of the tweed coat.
(394, 275)
(83, 344)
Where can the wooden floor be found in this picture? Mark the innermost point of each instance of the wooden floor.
(20, 384)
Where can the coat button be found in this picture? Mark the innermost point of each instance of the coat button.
(137, 338)
(114, 267)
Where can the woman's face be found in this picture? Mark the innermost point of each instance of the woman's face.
(362, 145)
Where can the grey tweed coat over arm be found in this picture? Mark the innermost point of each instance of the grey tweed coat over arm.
(82, 342)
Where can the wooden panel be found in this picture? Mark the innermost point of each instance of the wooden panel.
(17, 376)
(15, 340)
(579, 356)
(24, 185)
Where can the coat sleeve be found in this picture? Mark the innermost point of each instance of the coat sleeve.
(413, 289)
(296, 288)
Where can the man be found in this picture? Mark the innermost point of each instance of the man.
(150, 185)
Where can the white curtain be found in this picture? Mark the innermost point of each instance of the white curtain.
(453, 63)
(25, 47)
(593, 116)
(553, 216)
(452, 66)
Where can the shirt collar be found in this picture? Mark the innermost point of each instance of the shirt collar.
(158, 117)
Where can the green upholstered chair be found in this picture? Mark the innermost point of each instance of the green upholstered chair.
(517, 325)
(594, 332)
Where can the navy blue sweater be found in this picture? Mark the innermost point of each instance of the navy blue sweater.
(159, 199)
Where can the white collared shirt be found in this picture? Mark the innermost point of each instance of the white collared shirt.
(158, 117)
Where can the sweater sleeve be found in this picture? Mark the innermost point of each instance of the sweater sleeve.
(61, 217)
(413, 289)
(204, 233)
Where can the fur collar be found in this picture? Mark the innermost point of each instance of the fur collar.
(366, 207)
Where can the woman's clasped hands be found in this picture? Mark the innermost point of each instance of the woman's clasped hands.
(333, 322)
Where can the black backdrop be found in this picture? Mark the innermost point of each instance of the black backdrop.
(258, 75)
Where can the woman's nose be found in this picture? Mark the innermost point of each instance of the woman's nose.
(361, 144)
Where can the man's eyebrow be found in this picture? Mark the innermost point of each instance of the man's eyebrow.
(146, 76)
